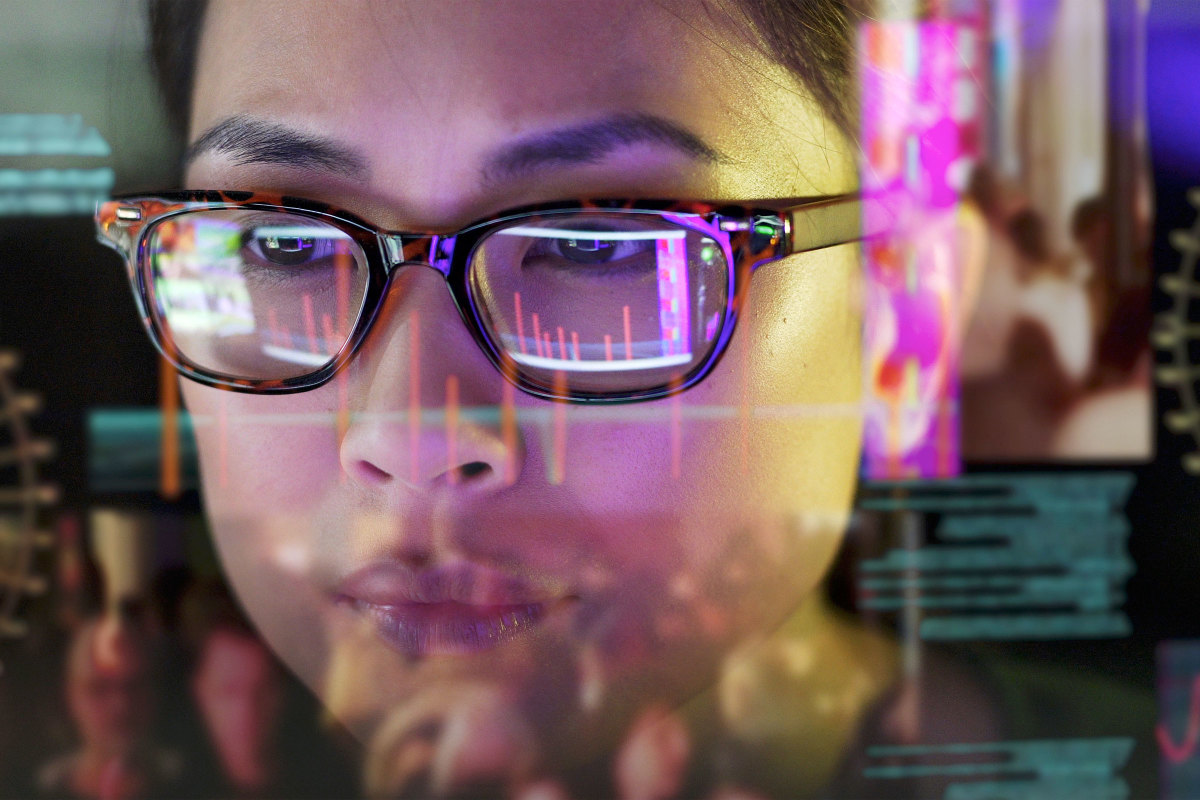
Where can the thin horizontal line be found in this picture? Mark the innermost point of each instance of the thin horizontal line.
(616, 365)
(594, 236)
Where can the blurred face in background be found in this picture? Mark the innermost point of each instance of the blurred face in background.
(604, 558)
(109, 690)
(237, 690)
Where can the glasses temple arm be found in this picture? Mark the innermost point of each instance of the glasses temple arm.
(840, 220)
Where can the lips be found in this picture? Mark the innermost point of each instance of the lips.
(454, 609)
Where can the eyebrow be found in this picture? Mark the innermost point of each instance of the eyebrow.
(251, 141)
(591, 142)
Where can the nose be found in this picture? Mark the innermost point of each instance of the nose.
(428, 410)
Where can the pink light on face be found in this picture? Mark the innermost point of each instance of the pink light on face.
(562, 344)
(575, 344)
(520, 321)
(548, 349)
(537, 337)
(310, 323)
(607, 347)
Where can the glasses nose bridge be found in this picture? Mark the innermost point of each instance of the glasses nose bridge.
(426, 250)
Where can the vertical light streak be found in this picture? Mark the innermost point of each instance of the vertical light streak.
(310, 324)
(508, 431)
(558, 464)
(520, 321)
(452, 428)
(414, 396)
(168, 395)
(628, 336)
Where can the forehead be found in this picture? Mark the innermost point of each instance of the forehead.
(413, 54)
(424, 88)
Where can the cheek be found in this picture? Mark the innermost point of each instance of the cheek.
(265, 462)
(753, 471)
(264, 453)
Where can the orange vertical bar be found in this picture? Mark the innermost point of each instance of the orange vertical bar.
(414, 396)
(562, 344)
(168, 398)
(343, 413)
(520, 321)
(332, 345)
(452, 428)
(549, 349)
(342, 277)
(508, 431)
(575, 344)
(628, 336)
(559, 458)
(537, 335)
(310, 324)
(607, 347)
(273, 324)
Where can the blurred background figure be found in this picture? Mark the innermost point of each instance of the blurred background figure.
(242, 702)
(109, 688)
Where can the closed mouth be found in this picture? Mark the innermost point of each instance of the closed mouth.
(447, 628)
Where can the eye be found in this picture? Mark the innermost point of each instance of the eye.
(566, 252)
(596, 251)
(286, 246)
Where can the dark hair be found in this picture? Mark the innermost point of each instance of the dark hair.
(1088, 215)
(1028, 233)
(813, 39)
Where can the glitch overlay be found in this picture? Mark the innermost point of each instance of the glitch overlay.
(1178, 730)
(1049, 769)
(1011, 557)
(54, 153)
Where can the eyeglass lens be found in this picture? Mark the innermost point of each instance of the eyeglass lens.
(598, 301)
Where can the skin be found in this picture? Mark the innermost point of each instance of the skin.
(657, 568)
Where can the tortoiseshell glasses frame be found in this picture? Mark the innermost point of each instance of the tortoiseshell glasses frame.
(747, 236)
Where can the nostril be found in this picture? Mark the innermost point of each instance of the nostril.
(474, 469)
(373, 474)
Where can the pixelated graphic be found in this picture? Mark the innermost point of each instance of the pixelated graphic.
(1178, 730)
(1023, 556)
(59, 190)
(1053, 769)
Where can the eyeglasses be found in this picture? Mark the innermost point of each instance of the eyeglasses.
(592, 301)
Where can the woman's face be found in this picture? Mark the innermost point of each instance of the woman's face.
(601, 559)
